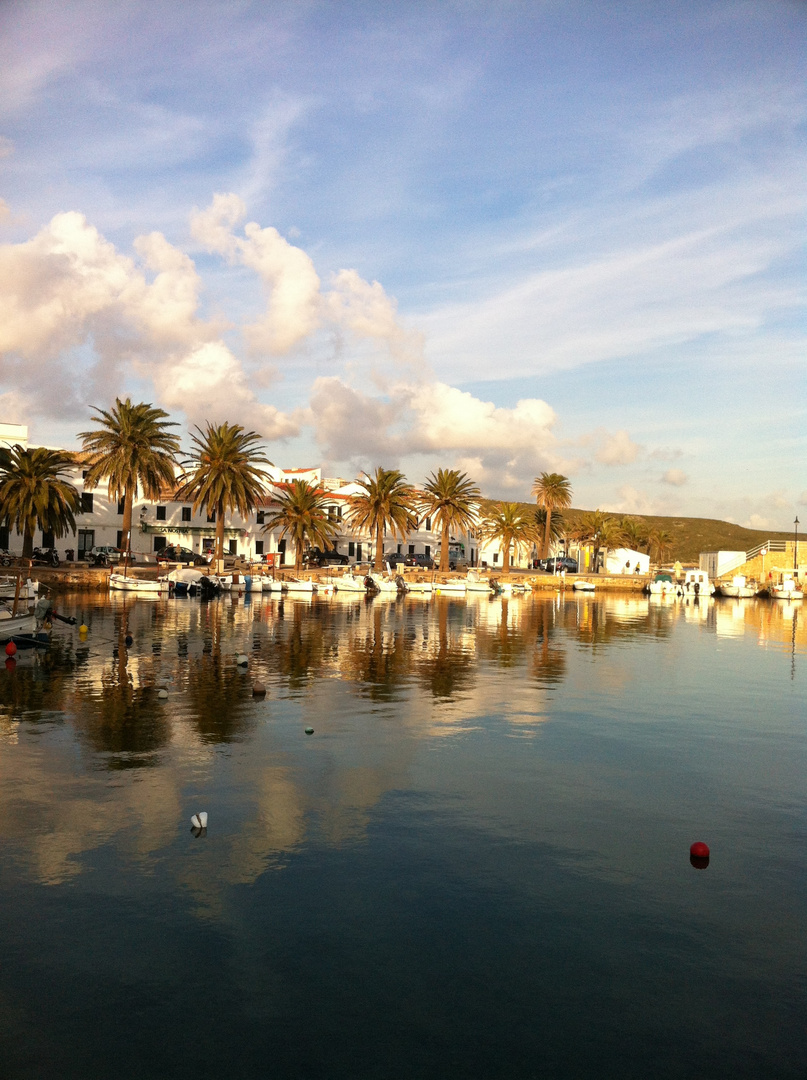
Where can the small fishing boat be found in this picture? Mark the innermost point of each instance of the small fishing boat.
(10, 625)
(350, 583)
(581, 585)
(298, 586)
(187, 581)
(738, 588)
(476, 583)
(383, 584)
(696, 583)
(456, 587)
(275, 585)
(788, 590)
(29, 590)
(663, 585)
(420, 588)
(144, 586)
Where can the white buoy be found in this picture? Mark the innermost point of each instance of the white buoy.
(203, 818)
(162, 694)
(196, 822)
(242, 659)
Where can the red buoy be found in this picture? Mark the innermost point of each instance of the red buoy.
(11, 649)
(699, 850)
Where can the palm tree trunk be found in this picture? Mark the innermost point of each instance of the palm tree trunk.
(379, 546)
(27, 542)
(219, 531)
(444, 549)
(545, 553)
(506, 559)
(126, 529)
(298, 556)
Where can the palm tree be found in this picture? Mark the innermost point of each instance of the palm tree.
(34, 494)
(134, 450)
(557, 525)
(302, 515)
(509, 523)
(659, 543)
(387, 502)
(634, 533)
(611, 535)
(553, 492)
(224, 474)
(452, 499)
(588, 531)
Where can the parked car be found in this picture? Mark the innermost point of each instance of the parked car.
(316, 557)
(394, 558)
(104, 554)
(425, 562)
(174, 553)
(561, 562)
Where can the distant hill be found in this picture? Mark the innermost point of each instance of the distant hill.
(691, 536)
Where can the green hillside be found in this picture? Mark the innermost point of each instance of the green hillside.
(691, 536)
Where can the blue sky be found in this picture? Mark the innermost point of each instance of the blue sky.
(508, 237)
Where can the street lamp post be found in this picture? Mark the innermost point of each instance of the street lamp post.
(796, 547)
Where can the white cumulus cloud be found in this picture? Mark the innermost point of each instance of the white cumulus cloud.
(675, 477)
(617, 449)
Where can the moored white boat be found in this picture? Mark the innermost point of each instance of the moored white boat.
(451, 588)
(696, 583)
(582, 585)
(293, 585)
(738, 588)
(421, 588)
(15, 624)
(663, 585)
(29, 590)
(476, 583)
(124, 583)
(383, 584)
(788, 590)
(354, 583)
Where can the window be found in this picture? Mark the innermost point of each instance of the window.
(159, 543)
(161, 513)
(84, 474)
(186, 513)
(260, 517)
(495, 557)
(86, 504)
(358, 552)
(259, 547)
(281, 549)
(411, 549)
(208, 543)
(232, 547)
(351, 549)
(47, 539)
(120, 504)
(211, 517)
(428, 524)
(427, 551)
(334, 513)
(4, 537)
(119, 541)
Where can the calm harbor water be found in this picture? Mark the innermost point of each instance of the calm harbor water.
(476, 866)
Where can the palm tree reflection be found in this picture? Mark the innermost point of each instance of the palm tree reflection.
(447, 669)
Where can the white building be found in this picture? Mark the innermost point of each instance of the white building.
(627, 561)
(157, 524)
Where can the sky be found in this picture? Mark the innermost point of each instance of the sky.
(502, 237)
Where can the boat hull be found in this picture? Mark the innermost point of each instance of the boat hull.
(120, 583)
